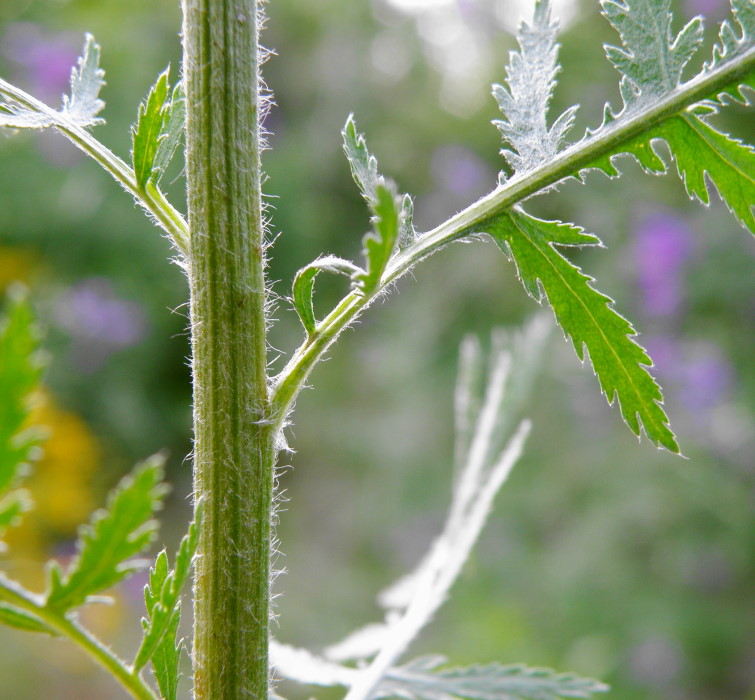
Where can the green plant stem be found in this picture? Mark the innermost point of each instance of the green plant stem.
(151, 198)
(568, 163)
(12, 593)
(233, 440)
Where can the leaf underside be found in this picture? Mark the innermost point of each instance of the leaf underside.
(651, 62)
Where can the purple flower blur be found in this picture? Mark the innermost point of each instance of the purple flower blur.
(99, 322)
(663, 245)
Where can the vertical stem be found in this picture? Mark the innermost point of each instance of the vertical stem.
(233, 442)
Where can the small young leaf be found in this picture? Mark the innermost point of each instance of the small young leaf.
(162, 594)
(148, 130)
(172, 132)
(20, 619)
(586, 316)
(422, 680)
(304, 283)
(114, 535)
(365, 173)
(379, 245)
(531, 78)
(363, 164)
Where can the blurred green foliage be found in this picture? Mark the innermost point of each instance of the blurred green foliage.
(605, 557)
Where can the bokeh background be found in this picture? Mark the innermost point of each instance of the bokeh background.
(605, 556)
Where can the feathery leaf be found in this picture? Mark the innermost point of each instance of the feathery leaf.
(80, 108)
(651, 60)
(531, 78)
(585, 315)
(86, 82)
(422, 680)
(114, 535)
(22, 620)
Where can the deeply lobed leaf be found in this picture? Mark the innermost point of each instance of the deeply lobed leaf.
(651, 59)
(113, 536)
(651, 64)
(585, 315)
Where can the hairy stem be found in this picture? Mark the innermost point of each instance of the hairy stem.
(129, 678)
(233, 441)
(472, 220)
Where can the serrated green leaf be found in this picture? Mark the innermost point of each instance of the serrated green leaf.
(113, 536)
(162, 595)
(172, 132)
(146, 133)
(20, 372)
(586, 316)
(22, 620)
(422, 680)
(304, 283)
(379, 245)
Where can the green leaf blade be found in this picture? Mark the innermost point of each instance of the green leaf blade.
(146, 134)
(113, 536)
(586, 316)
